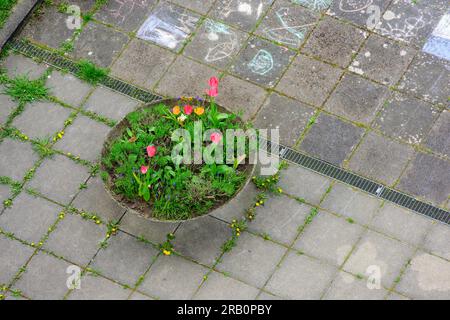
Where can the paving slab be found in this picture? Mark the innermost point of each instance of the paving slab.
(395, 296)
(427, 176)
(7, 106)
(29, 217)
(436, 241)
(85, 5)
(5, 192)
(380, 158)
(438, 137)
(18, 65)
(139, 296)
(268, 296)
(68, 88)
(200, 6)
(316, 5)
(12, 256)
(93, 287)
(331, 139)
(358, 12)
(16, 158)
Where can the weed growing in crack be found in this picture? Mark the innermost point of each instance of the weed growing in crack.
(90, 72)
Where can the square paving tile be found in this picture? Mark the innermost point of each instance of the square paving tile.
(244, 15)
(45, 278)
(427, 277)
(374, 249)
(438, 139)
(287, 23)
(126, 15)
(201, 6)
(76, 239)
(316, 5)
(12, 256)
(125, 259)
(240, 96)
(427, 77)
(215, 44)
(110, 104)
(173, 278)
(59, 178)
(68, 88)
(413, 226)
(169, 26)
(406, 118)
(29, 217)
(309, 80)
(142, 63)
(96, 200)
(301, 277)
(334, 42)
(329, 238)
(98, 288)
(349, 202)
(84, 138)
(331, 139)
(7, 105)
(427, 176)
(356, 98)
(380, 158)
(289, 116)
(357, 12)
(383, 60)
(85, 5)
(16, 158)
(437, 240)
(262, 62)
(41, 119)
(99, 44)
(212, 289)
(202, 239)
(280, 218)
(18, 65)
(253, 260)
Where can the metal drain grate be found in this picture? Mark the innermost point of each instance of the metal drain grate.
(286, 153)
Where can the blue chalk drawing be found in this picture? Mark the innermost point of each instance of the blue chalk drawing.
(438, 46)
(261, 63)
(216, 27)
(314, 4)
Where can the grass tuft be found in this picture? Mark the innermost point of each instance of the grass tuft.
(90, 72)
(24, 90)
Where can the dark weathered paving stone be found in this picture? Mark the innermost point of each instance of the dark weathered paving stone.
(329, 238)
(12, 256)
(406, 118)
(125, 258)
(98, 288)
(76, 239)
(45, 278)
(186, 78)
(201, 6)
(30, 217)
(172, 278)
(18, 65)
(244, 15)
(351, 203)
(99, 44)
(287, 23)
(5, 193)
(59, 178)
(413, 226)
(85, 5)
(48, 27)
(279, 219)
(215, 44)
(96, 200)
(357, 11)
(126, 15)
(240, 96)
(142, 64)
(316, 5)
(427, 77)
(212, 289)
(437, 241)
(438, 139)
(7, 105)
(262, 62)
(41, 119)
(16, 158)
(155, 232)
(375, 249)
(259, 255)
(289, 116)
(301, 277)
(202, 239)
(309, 80)
(67, 88)
(383, 60)
(356, 98)
(380, 158)
(84, 138)
(334, 41)
(427, 277)
(348, 287)
(331, 139)
(427, 176)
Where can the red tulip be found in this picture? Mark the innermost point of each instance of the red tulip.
(215, 137)
(213, 92)
(151, 151)
(188, 109)
(213, 82)
(144, 169)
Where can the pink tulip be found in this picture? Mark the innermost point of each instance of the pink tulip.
(151, 151)
(188, 109)
(213, 92)
(215, 137)
(213, 82)
(144, 169)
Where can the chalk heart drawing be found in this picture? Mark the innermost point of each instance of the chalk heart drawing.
(314, 4)
(261, 63)
(354, 5)
(245, 8)
(124, 8)
(224, 49)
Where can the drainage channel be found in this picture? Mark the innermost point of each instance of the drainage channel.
(320, 166)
